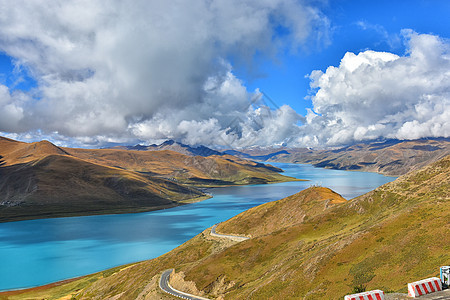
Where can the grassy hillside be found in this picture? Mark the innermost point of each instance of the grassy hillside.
(322, 248)
(277, 215)
(392, 235)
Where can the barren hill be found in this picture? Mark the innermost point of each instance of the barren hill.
(39, 180)
(312, 245)
(60, 185)
(14, 152)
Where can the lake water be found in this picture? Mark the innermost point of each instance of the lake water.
(38, 252)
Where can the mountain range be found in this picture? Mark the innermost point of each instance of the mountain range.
(311, 245)
(391, 157)
(40, 180)
(174, 146)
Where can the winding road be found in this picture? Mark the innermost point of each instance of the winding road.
(164, 280)
(165, 286)
(228, 236)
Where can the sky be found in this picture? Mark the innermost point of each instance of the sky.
(224, 73)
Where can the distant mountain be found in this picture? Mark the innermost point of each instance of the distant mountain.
(39, 180)
(174, 146)
(249, 154)
(311, 245)
(392, 157)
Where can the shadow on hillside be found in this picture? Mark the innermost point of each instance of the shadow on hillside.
(2, 161)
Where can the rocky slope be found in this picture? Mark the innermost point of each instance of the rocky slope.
(312, 245)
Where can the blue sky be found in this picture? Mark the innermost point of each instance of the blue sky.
(98, 73)
(355, 26)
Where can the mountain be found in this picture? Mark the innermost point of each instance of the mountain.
(391, 157)
(257, 154)
(174, 146)
(211, 171)
(39, 180)
(312, 245)
(60, 185)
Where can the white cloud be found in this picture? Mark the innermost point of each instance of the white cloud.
(378, 94)
(11, 108)
(146, 69)
(115, 71)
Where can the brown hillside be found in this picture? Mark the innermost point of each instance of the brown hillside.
(59, 185)
(195, 170)
(14, 152)
(277, 215)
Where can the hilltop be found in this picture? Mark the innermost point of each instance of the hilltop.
(39, 180)
(312, 245)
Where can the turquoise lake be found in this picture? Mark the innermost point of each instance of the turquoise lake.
(38, 252)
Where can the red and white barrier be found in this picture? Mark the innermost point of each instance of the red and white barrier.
(423, 287)
(371, 295)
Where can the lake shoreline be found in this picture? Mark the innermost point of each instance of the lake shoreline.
(130, 210)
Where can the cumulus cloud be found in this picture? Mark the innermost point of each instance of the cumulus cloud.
(129, 71)
(126, 70)
(11, 108)
(374, 95)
